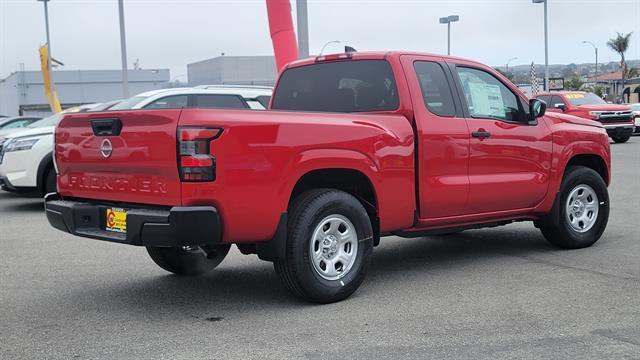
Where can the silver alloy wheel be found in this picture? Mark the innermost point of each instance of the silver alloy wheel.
(333, 247)
(582, 208)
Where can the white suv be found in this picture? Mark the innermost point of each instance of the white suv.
(204, 96)
(26, 161)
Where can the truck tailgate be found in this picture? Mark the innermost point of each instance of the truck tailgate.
(124, 156)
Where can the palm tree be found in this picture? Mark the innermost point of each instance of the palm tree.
(620, 44)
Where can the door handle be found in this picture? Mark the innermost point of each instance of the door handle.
(481, 133)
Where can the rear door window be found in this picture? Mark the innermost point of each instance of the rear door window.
(219, 101)
(341, 86)
(436, 91)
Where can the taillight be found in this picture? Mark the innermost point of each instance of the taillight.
(196, 163)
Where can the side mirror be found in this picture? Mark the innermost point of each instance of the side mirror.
(561, 107)
(537, 108)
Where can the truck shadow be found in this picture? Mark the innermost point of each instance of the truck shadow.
(240, 290)
(27, 206)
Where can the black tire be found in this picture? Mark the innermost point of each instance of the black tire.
(188, 262)
(297, 270)
(50, 182)
(621, 139)
(556, 227)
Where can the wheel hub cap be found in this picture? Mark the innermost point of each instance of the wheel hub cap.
(582, 208)
(333, 247)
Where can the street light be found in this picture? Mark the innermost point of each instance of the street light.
(596, 49)
(46, 22)
(448, 20)
(508, 61)
(123, 51)
(546, 45)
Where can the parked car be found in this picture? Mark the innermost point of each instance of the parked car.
(204, 96)
(356, 146)
(13, 124)
(26, 161)
(636, 115)
(617, 119)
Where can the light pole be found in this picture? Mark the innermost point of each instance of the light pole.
(596, 50)
(303, 29)
(46, 22)
(546, 45)
(123, 51)
(508, 61)
(327, 43)
(448, 20)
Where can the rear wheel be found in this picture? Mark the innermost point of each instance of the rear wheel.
(621, 139)
(581, 210)
(188, 260)
(329, 246)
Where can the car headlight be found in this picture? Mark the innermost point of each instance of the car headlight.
(594, 114)
(20, 144)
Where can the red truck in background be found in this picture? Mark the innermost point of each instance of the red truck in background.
(618, 120)
(355, 147)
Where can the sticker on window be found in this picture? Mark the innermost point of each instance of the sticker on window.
(486, 99)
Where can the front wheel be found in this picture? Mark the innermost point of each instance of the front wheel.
(188, 260)
(329, 246)
(580, 212)
(621, 139)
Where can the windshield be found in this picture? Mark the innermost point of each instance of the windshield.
(48, 121)
(129, 103)
(342, 86)
(577, 99)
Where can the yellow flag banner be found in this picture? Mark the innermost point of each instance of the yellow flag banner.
(46, 76)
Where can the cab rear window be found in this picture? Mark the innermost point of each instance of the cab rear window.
(343, 86)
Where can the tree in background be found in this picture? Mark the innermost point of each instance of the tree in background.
(620, 44)
(573, 83)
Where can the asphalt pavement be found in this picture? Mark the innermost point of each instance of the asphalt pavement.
(500, 293)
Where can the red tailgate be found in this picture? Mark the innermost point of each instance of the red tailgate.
(137, 164)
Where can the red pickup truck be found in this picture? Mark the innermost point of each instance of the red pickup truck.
(355, 147)
(618, 120)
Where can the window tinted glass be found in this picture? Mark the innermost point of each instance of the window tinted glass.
(545, 98)
(436, 91)
(343, 86)
(555, 100)
(169, 102)
(487, 97)
(219, 101)
(16, 124)
(577, 99)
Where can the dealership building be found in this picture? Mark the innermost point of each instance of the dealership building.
(22, 92)
(233, 70)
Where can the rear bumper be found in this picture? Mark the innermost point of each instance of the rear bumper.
(178, 226)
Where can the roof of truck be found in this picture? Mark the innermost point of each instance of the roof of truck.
(370, 55)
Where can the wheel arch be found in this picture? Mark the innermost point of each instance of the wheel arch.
(43, 169)
(592, 161)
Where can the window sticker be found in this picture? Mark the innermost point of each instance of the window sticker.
(574, 96)
(486, 99)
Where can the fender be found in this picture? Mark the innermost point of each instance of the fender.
(559, 163)
(394, 190)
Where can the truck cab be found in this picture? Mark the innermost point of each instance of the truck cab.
(618, 120)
